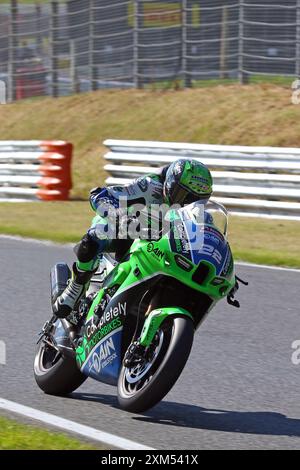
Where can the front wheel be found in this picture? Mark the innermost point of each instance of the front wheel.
(142, 386)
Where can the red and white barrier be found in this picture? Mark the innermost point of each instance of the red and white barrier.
(35, 170)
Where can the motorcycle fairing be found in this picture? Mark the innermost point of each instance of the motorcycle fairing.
(106, 338)
(104, 361)
(210, 244)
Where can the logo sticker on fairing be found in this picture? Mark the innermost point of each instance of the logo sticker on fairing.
(214, 249)
(155, 251)
(98, 329)
(104, 360)
(108, 321)
(104, 356)
(228, 263)
(198, 242)
(179, 240)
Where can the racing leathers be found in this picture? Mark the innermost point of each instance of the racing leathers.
(106, 202)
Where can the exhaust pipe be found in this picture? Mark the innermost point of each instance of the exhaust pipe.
(59, 277)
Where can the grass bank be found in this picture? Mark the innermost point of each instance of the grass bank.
(16, 436)
(254, 240)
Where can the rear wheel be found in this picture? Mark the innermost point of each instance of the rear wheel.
(54, 373)
(142, 386)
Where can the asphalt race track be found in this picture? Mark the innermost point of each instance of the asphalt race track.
(239, 389)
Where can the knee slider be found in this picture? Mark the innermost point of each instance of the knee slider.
(87, 249)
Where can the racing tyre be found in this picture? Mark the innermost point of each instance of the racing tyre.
(54, 373)
(142, 386)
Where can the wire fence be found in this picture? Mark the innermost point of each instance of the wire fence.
(59, 48)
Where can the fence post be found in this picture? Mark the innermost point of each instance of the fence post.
(90, 55)
(138, 21)
(93, 71)
(75, 86)
(53, 49)
(12, 50)
(297, 65)
(241, 74)
(2, 92)
(39, 37)
(187, 82)
(223, 48)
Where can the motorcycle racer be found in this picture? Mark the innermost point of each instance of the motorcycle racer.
(182, 182)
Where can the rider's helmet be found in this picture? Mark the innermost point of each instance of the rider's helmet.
(187, 181)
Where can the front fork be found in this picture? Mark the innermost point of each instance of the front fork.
(150, 328)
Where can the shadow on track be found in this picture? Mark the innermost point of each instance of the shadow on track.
(110, 400)
(195, 417)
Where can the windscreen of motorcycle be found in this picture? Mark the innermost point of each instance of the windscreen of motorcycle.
(198, 232)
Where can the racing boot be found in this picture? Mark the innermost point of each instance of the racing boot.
(76, 287)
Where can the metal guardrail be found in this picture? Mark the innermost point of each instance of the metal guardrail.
(35, 170)
(250, 181)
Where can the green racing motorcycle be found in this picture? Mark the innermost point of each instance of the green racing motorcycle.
(135, 326)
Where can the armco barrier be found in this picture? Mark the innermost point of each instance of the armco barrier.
(253, 181)
(35, 170)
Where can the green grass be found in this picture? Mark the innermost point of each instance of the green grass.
(272, 242)
(254, 240)
(58, 221)
(178, 84)
(16, 436)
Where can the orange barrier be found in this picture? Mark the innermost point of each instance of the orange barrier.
(35, 170)
(52, 195)
(55, 169)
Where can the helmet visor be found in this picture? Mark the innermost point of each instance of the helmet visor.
(181, 195)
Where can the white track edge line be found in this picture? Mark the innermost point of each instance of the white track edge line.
(71, 245)
(265, 266)
(71, 426)
(18, 238)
